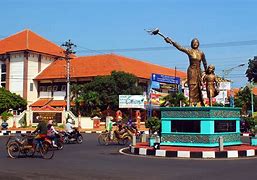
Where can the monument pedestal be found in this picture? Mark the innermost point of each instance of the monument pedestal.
(200, 126)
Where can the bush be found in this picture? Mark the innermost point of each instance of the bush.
(5, 116)
(154, 124)
(23, 121)
(251, 123)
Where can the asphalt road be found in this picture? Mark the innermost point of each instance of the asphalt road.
(91, 161)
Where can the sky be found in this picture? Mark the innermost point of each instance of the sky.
(226, 29)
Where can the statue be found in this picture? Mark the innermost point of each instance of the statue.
(194, 77)
(211, 83)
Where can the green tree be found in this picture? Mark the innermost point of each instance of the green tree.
(251, 72)
(243, 99)
(10, 100)
(104, 91)
(175, 100)
(154, 125)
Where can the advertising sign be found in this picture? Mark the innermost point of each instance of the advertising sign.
(165, 79)
(132, 101)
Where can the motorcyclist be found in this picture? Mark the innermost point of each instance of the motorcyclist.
(69, 127)
(41, 129)
(120, 127)
(51, 133)
(110, 127)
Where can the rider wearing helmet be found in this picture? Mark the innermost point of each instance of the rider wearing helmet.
(69, 127)
(51, 133)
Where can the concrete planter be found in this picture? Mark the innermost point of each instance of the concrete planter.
(4, 125)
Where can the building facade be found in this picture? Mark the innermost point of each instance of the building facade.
(34, 68)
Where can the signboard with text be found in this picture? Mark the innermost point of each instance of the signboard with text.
(165, 79)
(132, 101)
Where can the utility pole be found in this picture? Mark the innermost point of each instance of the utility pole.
(252, 101)
(225, 74)
(68, 51)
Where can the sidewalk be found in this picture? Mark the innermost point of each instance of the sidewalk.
(29, 130)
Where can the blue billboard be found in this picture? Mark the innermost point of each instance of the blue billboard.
(165, 79)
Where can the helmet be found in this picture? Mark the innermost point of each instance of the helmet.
(69, 120)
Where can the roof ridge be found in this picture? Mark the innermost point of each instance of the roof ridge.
(13, 34)
(145, 62)
(44, 39)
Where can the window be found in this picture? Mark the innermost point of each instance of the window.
(225, 126)
(55, 88)
(185, 126)
(3, 85)
(3, 68)
(31, 86)
(42, 88)
(63, 88)
(3, 77)
(49, 88)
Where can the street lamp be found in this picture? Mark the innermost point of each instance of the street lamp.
(251, 86)
(225, 73)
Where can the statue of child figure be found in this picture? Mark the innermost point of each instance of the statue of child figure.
(211, 83)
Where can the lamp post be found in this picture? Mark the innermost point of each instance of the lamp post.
(251, 86)
(225, 73)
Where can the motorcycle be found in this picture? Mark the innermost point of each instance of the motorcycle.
(132, 129)
(60, 141)
(121, 138)
(74, 137)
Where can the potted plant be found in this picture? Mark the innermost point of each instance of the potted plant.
(154, 124)
(5, 116)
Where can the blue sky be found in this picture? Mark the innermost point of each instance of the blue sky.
(227, 30)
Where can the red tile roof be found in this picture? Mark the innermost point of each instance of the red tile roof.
(28, 40)
(57, 103)
(41, 102)
(255, 91)
(50, 102)
(91, 66)
(46, 108)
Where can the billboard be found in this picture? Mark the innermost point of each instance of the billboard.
(165, 79)
(132, 101)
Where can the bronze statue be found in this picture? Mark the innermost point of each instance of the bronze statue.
(211, 83)
(194, 70)
(194, 77)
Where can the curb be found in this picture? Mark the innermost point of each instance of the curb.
(189, 154)
(7, 132)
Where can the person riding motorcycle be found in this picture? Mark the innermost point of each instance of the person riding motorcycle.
(51, 133)
(69, 127)
(118, 128)
(41, 129)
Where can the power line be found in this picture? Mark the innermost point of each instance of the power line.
(210, 45)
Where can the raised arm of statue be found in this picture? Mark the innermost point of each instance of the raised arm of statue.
(176, 45)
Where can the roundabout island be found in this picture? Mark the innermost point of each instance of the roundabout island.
(198, 132)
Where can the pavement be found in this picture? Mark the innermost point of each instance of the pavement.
(90, 161)
(236, 151)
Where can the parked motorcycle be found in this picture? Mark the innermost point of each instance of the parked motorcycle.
(74, 137)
